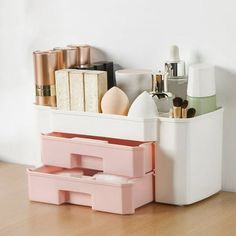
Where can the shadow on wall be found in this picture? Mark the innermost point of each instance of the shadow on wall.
(98, 54)
(226, 86)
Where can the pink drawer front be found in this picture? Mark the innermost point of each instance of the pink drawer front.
(114, 194)
(113, 156)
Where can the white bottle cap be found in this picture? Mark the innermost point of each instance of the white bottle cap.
(174, 53)
(201, 81)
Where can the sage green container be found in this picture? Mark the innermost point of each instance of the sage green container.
(201, 91)
(202, 104)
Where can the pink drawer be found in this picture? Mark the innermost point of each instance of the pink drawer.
(113, 156)
(115, 194)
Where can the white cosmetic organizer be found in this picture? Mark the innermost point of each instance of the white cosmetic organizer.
(188, 151)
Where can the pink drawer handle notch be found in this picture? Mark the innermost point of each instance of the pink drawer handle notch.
(111, 156)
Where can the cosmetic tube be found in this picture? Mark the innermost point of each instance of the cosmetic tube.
(83, 52)
(45, 64)
(66, 57)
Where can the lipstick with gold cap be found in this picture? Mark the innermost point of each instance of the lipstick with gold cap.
(45, 64)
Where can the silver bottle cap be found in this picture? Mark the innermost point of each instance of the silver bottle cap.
(175, 67)
(157, 82)
(159, 85)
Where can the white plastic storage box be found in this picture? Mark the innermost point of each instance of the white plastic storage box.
(96, 124)
(82, 187)
(112, 156)
(189, 158)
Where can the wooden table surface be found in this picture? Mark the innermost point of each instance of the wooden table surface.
(20, 217)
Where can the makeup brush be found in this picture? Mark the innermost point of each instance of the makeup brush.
(191, 112)
(171, 114)
(184, 109)
(177, 103)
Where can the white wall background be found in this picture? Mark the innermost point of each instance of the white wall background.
(134, 34)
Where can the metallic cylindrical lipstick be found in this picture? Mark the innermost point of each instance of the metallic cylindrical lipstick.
(45, 64)
(67, 57)
(83, 52)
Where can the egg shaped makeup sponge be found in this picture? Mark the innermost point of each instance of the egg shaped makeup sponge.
(115, 101)
(143, 106)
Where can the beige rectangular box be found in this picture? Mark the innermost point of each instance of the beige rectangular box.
(76, 82)
(62, 89)
(95, 86)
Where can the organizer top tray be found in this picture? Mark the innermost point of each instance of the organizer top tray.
(96, 124)
(164, 117)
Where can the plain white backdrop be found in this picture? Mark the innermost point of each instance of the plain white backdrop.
(134, 34)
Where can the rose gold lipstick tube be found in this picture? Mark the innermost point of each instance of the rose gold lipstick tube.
(45, 64)
(67, 57)
(83, 52)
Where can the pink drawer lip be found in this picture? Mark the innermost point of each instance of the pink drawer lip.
(113, 156)
(58, 185)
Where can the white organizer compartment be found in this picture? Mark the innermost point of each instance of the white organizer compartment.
(96, 124)
(189, 158)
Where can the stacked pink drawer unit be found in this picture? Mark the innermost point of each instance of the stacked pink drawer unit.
(111, 175)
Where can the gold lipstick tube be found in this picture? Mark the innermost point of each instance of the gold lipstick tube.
(45, 64)
(157, 82)
(83, 52)
(67, 57)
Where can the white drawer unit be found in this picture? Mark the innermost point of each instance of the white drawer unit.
(187, 152)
